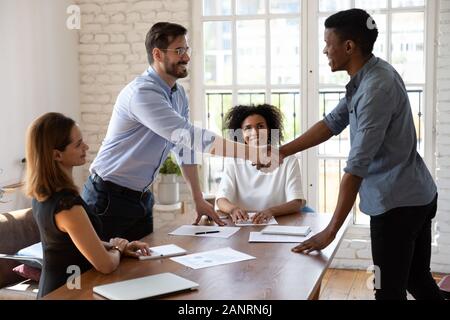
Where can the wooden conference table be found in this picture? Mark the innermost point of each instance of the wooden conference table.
(275, 274)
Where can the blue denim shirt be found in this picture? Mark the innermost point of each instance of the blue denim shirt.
(383, 140)
(148, 121)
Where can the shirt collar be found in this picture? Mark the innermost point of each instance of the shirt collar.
(155, 76)
(355, 81)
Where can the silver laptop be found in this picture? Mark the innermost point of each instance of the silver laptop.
(145, 287)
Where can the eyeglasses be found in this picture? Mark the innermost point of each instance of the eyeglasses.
(180, 51)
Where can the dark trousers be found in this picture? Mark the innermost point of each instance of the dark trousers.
(401, 251)
(123, 214)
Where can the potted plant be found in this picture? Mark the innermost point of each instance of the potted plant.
(168, 188)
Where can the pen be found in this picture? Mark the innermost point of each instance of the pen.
(207, 232)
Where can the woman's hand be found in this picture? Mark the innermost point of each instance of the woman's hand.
(262, 217)
(119, 243)
(238, 214)
(135, 249)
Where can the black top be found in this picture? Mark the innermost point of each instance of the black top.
(59, 251)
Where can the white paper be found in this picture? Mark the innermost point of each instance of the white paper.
(190, 230)
(34, 250)
(212, 258)
(260, 237)
(249, 222)
(165, 251)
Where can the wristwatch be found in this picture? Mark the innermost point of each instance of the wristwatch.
(116, 248)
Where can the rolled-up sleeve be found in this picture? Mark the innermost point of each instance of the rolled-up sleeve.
(373, 117)
(337, 120)
(150, 107)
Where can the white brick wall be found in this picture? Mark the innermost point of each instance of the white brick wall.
(441, 257)
(112, 53)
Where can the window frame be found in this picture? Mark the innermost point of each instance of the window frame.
(309, 86)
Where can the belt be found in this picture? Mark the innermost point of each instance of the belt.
(119, 189)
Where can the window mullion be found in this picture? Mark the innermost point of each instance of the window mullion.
(234, 53)
(268, 54)
(389, 33)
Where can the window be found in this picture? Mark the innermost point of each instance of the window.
(256, 51)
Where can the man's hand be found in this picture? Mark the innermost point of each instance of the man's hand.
(262, 217)
(203, 207)
(317, 242)
(269, 159)
(238, 214)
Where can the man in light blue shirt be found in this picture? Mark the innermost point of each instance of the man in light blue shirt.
(395, 186)
(151, 118)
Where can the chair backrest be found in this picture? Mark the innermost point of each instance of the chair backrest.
(18, 230)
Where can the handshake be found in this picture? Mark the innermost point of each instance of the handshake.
(266, 158)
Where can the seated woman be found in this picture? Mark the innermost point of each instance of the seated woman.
(68, 230)
(245, 189)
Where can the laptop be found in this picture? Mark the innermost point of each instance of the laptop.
(145, 287)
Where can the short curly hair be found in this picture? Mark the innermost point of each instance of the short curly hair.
(236, 116)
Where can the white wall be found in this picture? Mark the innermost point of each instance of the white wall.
(39, 73)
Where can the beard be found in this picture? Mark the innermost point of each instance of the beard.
(177, 70)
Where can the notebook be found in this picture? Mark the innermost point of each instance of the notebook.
(287, 230)
(170, 250)
(145, 287)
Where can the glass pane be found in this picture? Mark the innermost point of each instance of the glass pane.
(245, 7)
(284, 6)
(285, 48)
(334, 5)
(330, 174)
(216, 7)
(417, 108)
(380, 47)
(288, 101)
(371, 4)
(217, 104)
(251, 52)
(340, 78)
(340, 145)
(251, 97)
(214, 169)
(218, 53)
(408, 3)
(408, 46)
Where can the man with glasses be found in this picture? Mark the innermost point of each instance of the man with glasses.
(151, 118)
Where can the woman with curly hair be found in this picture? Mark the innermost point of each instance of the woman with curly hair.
(68, 229)
(243, 188)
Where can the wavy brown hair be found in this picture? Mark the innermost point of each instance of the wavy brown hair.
(44, 176)
(236, 116)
